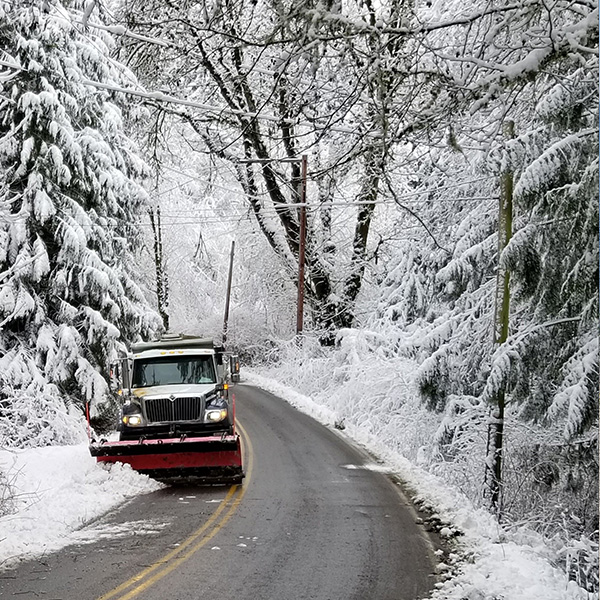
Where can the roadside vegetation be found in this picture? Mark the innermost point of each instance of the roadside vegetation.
(451, 223)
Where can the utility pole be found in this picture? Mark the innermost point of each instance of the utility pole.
(301, 248)
(495, 445)
(228, 295)
(162, 286)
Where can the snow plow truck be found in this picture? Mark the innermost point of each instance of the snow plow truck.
(177, 416)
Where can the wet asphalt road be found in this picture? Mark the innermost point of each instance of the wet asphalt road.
(303, 526)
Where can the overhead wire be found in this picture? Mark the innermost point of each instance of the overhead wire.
(328, 204)
(159, 96)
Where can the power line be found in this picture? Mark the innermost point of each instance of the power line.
(328, 204)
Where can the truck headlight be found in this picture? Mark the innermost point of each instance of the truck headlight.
(132, 420)
(214, 416)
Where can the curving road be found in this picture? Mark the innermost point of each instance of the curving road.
(303, 526)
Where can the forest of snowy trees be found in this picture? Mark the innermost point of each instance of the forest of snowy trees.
(452, 220)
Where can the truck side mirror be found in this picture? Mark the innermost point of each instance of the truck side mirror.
(219, 351)
(113, 377)
(125, 375)
(223, 389)
(234, 367)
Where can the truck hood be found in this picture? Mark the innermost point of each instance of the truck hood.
(199, 389)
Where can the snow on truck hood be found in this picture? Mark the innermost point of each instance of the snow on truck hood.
(188, 389)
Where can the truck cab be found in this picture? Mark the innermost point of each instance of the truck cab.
(176, 386)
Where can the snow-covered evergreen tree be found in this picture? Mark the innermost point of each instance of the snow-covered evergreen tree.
(549, 362)
(70, 197)
(539, 69)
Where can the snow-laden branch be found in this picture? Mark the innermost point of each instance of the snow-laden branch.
(565, 39)
(18, 266)
(466, 20)
(161, 97)
(120, 30)
(543, 167)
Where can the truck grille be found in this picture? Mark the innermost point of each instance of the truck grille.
(161, 410)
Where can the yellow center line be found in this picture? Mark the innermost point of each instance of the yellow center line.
(165, 565)
(168, 557)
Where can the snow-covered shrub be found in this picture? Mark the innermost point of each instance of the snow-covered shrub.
(28, 421)
(580, 559)
(362, 383)
(7, 494)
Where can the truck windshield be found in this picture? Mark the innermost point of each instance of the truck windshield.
(172, 370)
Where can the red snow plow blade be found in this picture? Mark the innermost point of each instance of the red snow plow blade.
(204, 459)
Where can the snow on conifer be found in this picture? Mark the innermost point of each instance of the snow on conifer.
(70, 200)
(548, 366)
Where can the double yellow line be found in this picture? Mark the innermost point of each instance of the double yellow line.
(168, 563)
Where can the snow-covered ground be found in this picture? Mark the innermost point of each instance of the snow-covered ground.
(58, 490)
(52, 493)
